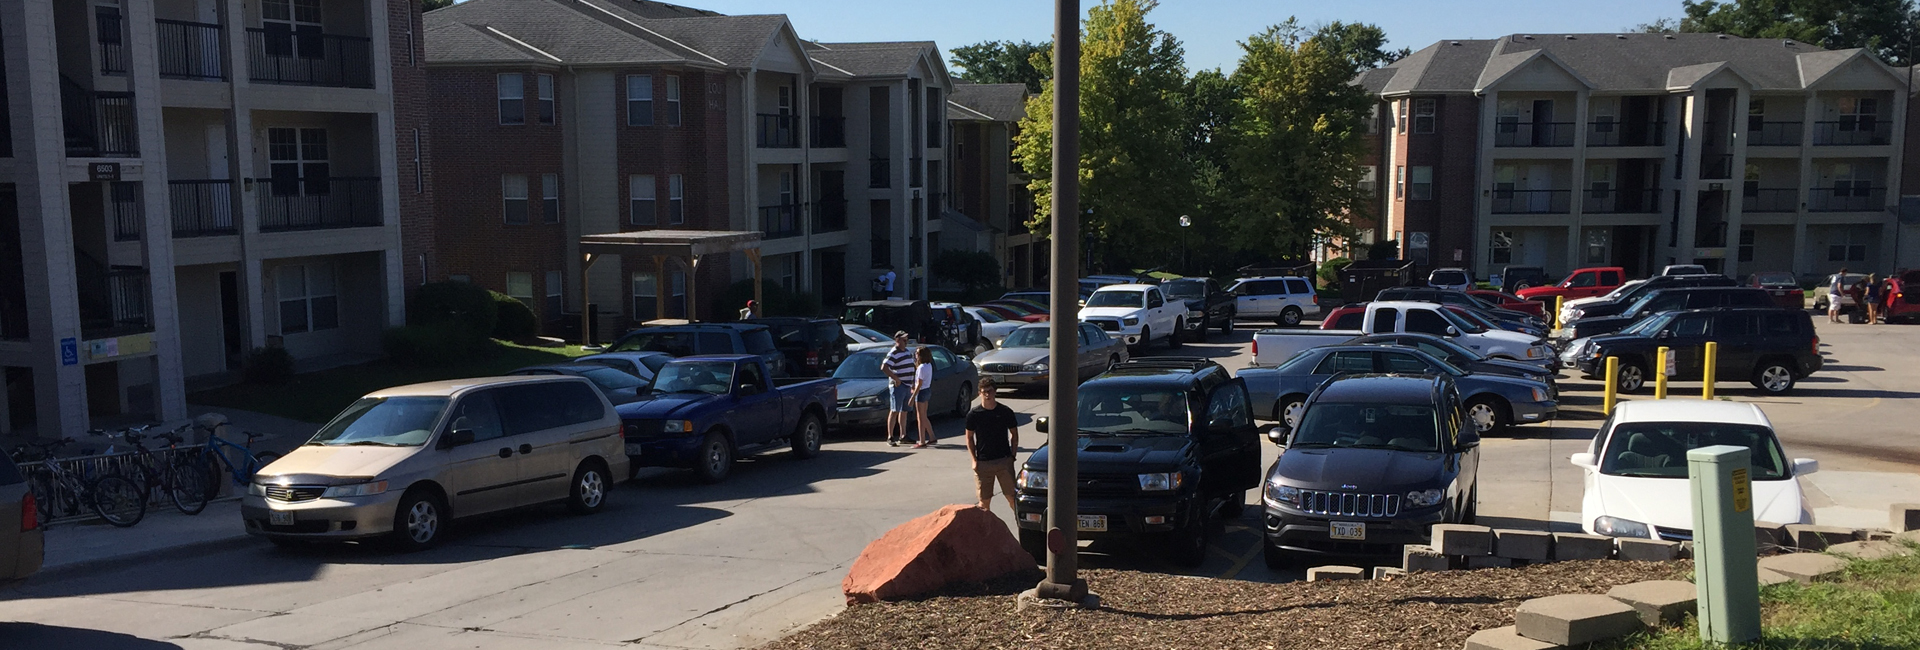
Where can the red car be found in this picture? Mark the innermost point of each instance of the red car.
(1784, 288)
(1510, 301)
(1903, 296)
(1583, 283)
(1014, 310)
(1348, 317)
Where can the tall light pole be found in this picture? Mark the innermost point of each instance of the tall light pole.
(1063, 459)
(1185, 223)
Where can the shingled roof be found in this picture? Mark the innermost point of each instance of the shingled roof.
(595, 31)
(1610, 62)
(895, 59)
(987, 102)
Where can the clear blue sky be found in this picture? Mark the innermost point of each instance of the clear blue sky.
(1210, 29)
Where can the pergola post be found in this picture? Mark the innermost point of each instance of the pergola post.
(586, 301)
(659, 276)
(693, 288)
(753, 255)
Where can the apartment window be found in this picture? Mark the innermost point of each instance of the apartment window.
(936, 111)
(1421, 187)
(1603, 120)
(1401, 124)
(1850, 180)
(545, 83)
(1746, 244)
(513, 98)
(676, 200)
(297, 162)
(673, 100)
(550, 198)
(640, 201)
(293, 28)
(556, 285)
(1373, 119)
(1400, 182)
(1600, 181)
(1507, 120)
(646, 296)
(1368, 179)
(639, 100)
(513, 192)
(1756, 114)
(1501, 251)
(880, 216)
(520, 287)
(1844, 250)
(677, 298)
(1423, 115)
(307, 299)
(1598, 243)
(1858, 113)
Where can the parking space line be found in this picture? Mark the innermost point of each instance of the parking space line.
(1239, 563)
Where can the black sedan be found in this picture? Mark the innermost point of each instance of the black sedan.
(1461, 356)
(617, 385)
(1492, 402)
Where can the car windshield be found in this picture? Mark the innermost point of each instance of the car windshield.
(1775, 278)
(1184, 289)
(984, 315)
(1625, 289)
(1659, 449)
(1027, 337)
(1117, 409)
(865, 365)
(869, 335)
(1469, 323)
(1118, 299)
(1647, 326)
(1404, 427)
(710, 377)
(1449, 278)
(383, 422)
(679, 344)
(610, 379)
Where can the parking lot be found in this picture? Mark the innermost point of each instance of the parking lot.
(676, 564)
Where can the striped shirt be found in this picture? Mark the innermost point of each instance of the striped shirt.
(900, 364)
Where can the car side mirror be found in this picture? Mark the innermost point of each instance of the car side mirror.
(1453, 331)
(1803, 466)
(1040, 423)
(459, 437)
(1664, 334)
(1583, 460)
(1279, 434)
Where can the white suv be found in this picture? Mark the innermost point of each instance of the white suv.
(1286, 300)
(1138, 313)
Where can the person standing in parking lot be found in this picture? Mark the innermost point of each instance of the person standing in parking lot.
(899, 370)
(993, 435)
(1872, 293)
(883, 285)
(1836, 287)
(923, 396)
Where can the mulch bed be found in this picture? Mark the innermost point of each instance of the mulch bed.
(1149, 610)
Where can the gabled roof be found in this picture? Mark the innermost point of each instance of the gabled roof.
(872, 59)
(568, 31)
(735, 40)
(462, 42)
(987, 102)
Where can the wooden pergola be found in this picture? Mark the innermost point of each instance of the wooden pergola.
(687, 246)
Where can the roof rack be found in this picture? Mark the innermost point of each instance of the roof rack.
(1178, 363)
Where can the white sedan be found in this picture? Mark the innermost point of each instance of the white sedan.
(1636, 469)
(994, 327)
(860, 337)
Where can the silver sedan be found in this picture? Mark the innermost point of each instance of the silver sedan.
(1024, 361)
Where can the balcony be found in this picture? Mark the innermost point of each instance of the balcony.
(201, 208)
(1847, 199)
(916, 172)
(1710, 234)
(1533, 134)
(778, 131)
(112, 36)
(189, 50)
(780, 221)
(828, 133)
(830, 215)
(98, 124)
(1532, 201)
(124, 207)
(879, 173)
(113, 302)
(1773, 134)
(278, 56)
(1716, 165)
(1858, 131)
(1626, 134)
(1771, 199)
(337, 202)
(1645, 201)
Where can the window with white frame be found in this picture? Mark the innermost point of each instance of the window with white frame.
(1400, 181)
(1369, 179)
(1420, 183)
(513, 98)
(550, 198)
(1600, 180)
(1842, 247)
(545, 89)
(639, 100)
(641, 192)
(1403, 105)
(677, 300)
(1858, 113)
(1603, 119)
(1501, 249)
(1507, 119)
(297, 162)
(676, 200)
(520, 287)
(308, 298)
(1756, 114)
(1424, 111)
(513, 195)
(1373, 119)
(293, 28)
(646, 296)
(556, 288)
(673, 100)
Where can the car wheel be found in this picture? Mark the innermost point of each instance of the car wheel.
(1472, 510)
(1632, 378)
(1523, 286)
(1774, 377)
(806, 436)
(420, 521)
(1146, 337)
(1226, 327)
(1187, 547)
(961, 400)
(1034, 542)
(1291, 317)
(1272, 554)
(1235, 506)
(589, 491)
(1488, 416)
(1173, 340)
(1288, 410)
(1113, 361)
(715, 461)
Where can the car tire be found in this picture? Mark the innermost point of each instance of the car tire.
(1523, 286)
(1226, 327)
(715, 461)
(1113, 361)
(1290, 403)
(1495, 415)
(420, 521)
(1187, 547)
(807, 435)
(1632, 378)
(1146, 338)
(1774, 377)
(1235, 506)
(1291, 317)
(1034, 542)
(588, 492)
(1173, 339)
(962, 400)
(1275, 557)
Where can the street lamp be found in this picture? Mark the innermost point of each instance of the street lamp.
(1185, 223)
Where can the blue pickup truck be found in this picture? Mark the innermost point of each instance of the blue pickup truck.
(705, 411)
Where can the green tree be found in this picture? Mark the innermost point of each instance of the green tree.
(1884, 27)
(1005, 62)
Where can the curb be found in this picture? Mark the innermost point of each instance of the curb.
(98, 565)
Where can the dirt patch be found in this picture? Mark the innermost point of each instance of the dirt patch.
(1149, 610)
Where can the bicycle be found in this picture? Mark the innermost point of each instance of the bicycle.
(115, 498)
(238, 461)
(178, 478)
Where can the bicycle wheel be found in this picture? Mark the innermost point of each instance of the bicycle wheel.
(118, 500)
(187, 486)
(43, 501)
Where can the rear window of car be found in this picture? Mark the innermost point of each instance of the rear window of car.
(1297, 286)
(758, 341)
(1350, 321)
(9, 475)
(825, 333)
(1449, 277)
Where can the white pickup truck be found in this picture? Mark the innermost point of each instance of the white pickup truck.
(1274, 346)
(1139, 313)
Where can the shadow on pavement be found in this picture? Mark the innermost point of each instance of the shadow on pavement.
(35, 635)
(1556, 432)
(1835, 367)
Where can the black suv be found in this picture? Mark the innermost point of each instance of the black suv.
(1615, 306)
(1376, 461)
(814, 346)
(1664, 300)
(1772, 347)
(1166, 443)
(1208, 305)
(1515, 278)
(706, 338)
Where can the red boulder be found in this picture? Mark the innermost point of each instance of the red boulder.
(954, 544)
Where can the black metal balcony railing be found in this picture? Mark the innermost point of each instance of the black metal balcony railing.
(97, 124)
(1856, 131)
(1771, 199)
(1532, 201)
(1533, 134)
(113, 50)
(1710, 234)
(114, 301)
(828, 133)
(880, 173)
(1773, 134)
(337, 202)
(1643, 201)
(1847, 199)
(1716, 165)
(301, 58)
(778, 131)
(1626, 134)
(201, 208)
(124, 206)
(189, 50)
(780, 221)
(916, 172)
(830, 215)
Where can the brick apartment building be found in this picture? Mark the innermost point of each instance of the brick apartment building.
(988, 184)
(184, 180)
(1639, 150)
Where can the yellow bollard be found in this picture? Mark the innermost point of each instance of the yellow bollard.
(1660, 373)
(1559, 303)
(1708, 360)
(1613, 385)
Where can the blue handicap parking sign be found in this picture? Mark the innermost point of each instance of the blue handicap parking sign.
(69, 351)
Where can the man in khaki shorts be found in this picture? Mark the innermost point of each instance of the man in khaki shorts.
(993, 435)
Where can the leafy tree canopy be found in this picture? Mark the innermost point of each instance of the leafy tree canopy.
(1005, 62)
(1883, 27)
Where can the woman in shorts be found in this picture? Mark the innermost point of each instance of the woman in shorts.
(923, 395)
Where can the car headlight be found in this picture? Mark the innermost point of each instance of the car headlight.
(356, 490)
(1533, 353)
(1286, 494)
(1576, 312)
(1130, 322)
(1194, 316)
(1033, 479)
(677, 426)
(1540, 395)
(1160, 482)
(1037, 366)
(1425, 498)
(1617, 527)
(869, 400)
(1593, 353)
(257, 489)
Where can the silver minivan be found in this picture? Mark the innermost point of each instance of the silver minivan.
(403, 461)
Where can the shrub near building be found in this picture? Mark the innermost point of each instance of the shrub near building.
(446, 322)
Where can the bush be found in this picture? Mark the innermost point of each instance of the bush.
(1330, 271)
(969, 269)
(460, 310)
(269, 366)
(430, 347)
(513, 320)
(775, 300)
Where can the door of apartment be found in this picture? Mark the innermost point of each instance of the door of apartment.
(232, 336)
(1540, 192)
(1542, 122)
(833, 277)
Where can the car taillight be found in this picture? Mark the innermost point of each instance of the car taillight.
(1816, 346)
(29, 513)
(1316, 299)
(1256, 347)
(813, 359)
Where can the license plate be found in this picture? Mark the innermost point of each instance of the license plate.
(1093, 523)
(280, 518)
(634, 448)
(1348, 530)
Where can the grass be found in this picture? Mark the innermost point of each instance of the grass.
(317, 396)
(1875, 606)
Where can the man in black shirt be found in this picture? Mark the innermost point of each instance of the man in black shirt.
(993, 434)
